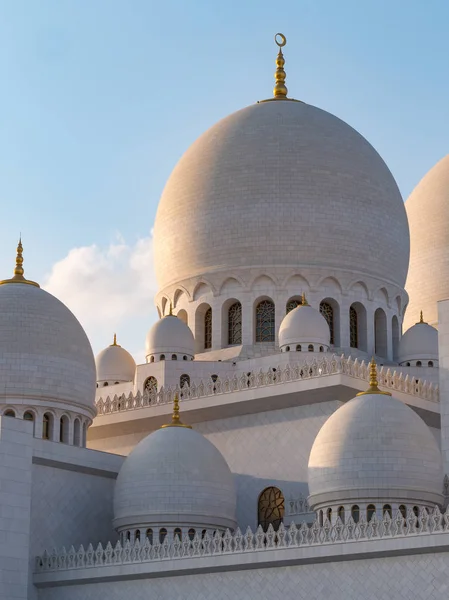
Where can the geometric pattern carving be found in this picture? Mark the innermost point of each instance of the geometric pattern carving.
(271, 508)
(265, 321)
(353, 328)
(291, 305)
(208, 329)
(328, 313)
(235, 324)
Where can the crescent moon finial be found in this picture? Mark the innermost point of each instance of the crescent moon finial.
(280, 89)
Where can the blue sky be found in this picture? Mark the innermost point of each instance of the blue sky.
(100, 99)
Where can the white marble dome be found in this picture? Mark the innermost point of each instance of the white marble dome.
(175, 477)
(45, 355)
(169, 336)
(428, 216)
(281, 184)
(419, 343)
(115, 365)
(375, 448)
(305, 326)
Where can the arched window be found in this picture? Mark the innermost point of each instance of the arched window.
(321, 348)
(208, 329)
(387, 510)
(353, 328)
(105, 384)
(418, 363)
(191, 534)
(149, 535)
(178, 532)
(9, 413)
(298, 348)
(321, 518)
(355, 513)
(162, 535)
(265, 321)
(128, 535)
(150, 384)
(328, 313)
(310, 348)
(76, 432)
(403, 511)
(380, 332)
(329, 515)
(152, 359)
(174, 357)
(184, 380)
(370, 512)
(162, 357)
(64, 429)
(28, 416)
(84, 435)
(341, 514)
(47, 426)
(235, 324)
(287, 348)
(184, 357)
(292, 304)
(430, 363)
(137, 536)
(407, 364)
(271, 508)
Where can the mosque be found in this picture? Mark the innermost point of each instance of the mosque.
(287, 435)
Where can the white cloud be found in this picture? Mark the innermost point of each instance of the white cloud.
(108, 289)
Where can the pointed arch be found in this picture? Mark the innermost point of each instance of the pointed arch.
(203, 327)
(359, 289)
(231, 285)
(182, 315)
(358, 330)
(263, 282)
(380, 333)
(330, 284)
(330, 309)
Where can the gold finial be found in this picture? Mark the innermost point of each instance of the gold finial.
(175, 419)
(304, 300)
(373, 383)
(170, 314)
(421, 318)
(18, 270)
(114, 343)
(280, 89)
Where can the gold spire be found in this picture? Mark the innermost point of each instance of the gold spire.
(18, 270)
(114, 343)
(280, 89)
(175, 419)
(421, 318)
(373, 383)
(170, 314)
(304, 300)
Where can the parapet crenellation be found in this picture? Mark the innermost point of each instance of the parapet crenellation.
(325, 367)
(304, 535)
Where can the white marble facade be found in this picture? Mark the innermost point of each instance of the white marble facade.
(234, 462)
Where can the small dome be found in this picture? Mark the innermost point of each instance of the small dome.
(170, 336)
(419, 343)
(115, 365)
(45, 355)
(304, 325)
(375, 448)
(175, 477)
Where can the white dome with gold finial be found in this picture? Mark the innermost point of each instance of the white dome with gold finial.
(170, 339)
(46, 359)
(114, 365)
(418, 346)
(304, 328)
(175, 477)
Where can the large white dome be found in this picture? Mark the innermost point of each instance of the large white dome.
(428, 216)
(375, 448)
(45, 355)
(175, 477)
(281, 184)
